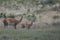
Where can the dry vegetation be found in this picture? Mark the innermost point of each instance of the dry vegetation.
(44, 14)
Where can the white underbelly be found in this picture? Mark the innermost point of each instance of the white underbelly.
(10, 23)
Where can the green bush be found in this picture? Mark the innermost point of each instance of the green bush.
(56, 17)
(31, 17)
(2, 15)
(47, 2)
(11, 15)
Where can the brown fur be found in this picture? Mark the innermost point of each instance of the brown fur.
(28, 25)
(11, 20)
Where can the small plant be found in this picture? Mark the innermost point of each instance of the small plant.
(4, 15)
(1, 14)
(24, 14)
(56, 17)
(57, 24)
(31, 17)
(11, 16)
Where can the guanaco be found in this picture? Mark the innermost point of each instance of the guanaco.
(27, 25)
(11, 20)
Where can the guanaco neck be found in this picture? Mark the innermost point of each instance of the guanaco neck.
(20, 19)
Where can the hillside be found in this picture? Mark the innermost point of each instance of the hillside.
(44, 12)
(43, 16)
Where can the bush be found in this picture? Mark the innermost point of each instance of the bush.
(11, 16)
(48, 2)
(56, 17)
(57, 24)
(31, 17)
(2, 15)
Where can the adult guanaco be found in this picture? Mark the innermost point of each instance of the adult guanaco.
(6, 21)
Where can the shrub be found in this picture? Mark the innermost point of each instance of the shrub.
(11, 16)
(1, 14)
(4, 15)
(57, 24)
(31, 17)
(48, 2)
(56, 17)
